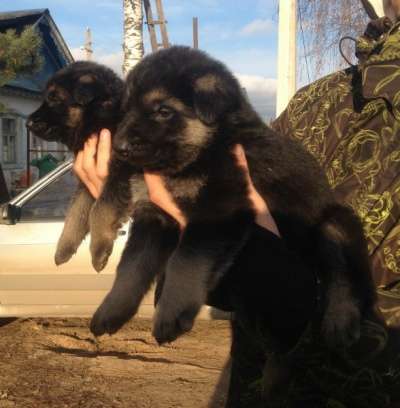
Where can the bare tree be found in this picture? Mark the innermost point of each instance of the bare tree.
(321, 25)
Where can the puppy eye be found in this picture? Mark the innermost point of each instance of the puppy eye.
(53, 99)
(165, 112)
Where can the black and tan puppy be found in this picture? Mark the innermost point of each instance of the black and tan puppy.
(182, 121)
(79, 100)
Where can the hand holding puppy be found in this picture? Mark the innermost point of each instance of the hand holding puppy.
(91, 166)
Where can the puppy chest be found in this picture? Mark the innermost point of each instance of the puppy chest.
(138, 189)
(209, 197)
(186, 190)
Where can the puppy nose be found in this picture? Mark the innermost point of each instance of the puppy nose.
(35, 127)
(122, 148)
(29, 124)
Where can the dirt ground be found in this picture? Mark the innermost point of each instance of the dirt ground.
(57, 363)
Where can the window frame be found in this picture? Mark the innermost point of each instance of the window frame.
(9, 136)
(52, 207)
(18, 202)
(19, 138)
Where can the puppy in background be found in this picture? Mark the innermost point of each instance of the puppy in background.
(79, 100)
(182, 122)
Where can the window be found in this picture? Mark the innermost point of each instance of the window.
(9, 135)
(52, 202)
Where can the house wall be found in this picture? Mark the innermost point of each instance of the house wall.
(19, 108)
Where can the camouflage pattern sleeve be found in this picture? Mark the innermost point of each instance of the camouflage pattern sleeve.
(350, 121)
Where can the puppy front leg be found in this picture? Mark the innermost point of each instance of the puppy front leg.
(108, 214)
(204, 253)
(153, 237)
(76, 225)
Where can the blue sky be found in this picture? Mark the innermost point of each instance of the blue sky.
(243, 34)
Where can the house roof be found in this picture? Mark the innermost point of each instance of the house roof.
(54, 50)
(9, 19)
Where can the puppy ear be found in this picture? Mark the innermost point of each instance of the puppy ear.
(85, 90)
(213, 96)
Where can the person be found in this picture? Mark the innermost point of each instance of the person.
(269, 287)
(350, 121)
(247, 289)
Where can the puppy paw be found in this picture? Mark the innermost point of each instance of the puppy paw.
(107, 320)
(171, 322)
(341, 324)
(64, 252)
(113, 313)
(100, 251)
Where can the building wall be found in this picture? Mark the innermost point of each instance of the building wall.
(19, 108)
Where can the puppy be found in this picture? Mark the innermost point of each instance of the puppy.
(79, 100)
(182, 121)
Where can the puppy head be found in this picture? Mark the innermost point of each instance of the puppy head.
(79, 100)
(176, 105)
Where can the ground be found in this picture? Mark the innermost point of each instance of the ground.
(57, 363)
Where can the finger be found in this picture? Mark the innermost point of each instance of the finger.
(240, 156)
(155, 187)
(103, 154)
(78, 170)
(77, 167)
(89, 165)
(158, 194)
(161, 197)
(241, 161)
(89, 155)
(263, 215)
(89, 162)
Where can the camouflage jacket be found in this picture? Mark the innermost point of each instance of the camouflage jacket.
(350, 121)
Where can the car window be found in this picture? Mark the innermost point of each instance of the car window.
(52, 202)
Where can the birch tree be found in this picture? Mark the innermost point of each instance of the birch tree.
(321, 25)
(133, 34)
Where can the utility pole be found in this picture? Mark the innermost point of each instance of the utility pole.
(286, 54)
(88, 45)
(195, 32)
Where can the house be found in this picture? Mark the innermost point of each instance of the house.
(23, 95)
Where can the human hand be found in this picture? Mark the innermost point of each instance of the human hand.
(160, 196)
(263, 216)
(91, 163)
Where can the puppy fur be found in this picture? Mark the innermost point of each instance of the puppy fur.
(79, 100)
(182, 121)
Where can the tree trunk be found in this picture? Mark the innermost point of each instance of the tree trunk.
(133, 34)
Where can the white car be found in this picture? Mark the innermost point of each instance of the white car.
(30, 282)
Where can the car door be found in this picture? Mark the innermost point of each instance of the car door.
(30, 282)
